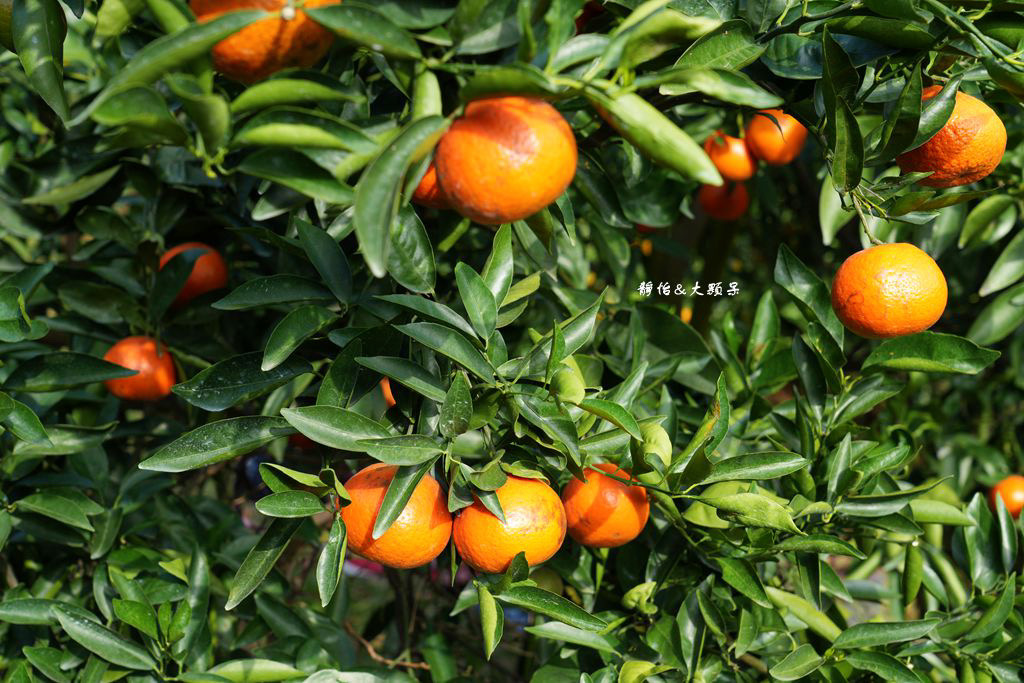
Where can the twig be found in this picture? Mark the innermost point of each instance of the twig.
(377, 657)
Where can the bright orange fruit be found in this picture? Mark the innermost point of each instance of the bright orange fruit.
(731, 156)
(419, 534)
(505, 159)
(724, 202)
(965, 150)
(1011, 490)
(604, 512)
(889, 291)
(155, 369)
(429, 192)
(775, 144)
(209, 272)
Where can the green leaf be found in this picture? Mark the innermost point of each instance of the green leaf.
(409, 449)
(141, 109)
(730, 46)
(73, 191)
(62, 370)
(411, 256)
(986, 213)
(1008, 268)
(614, 413)
(457, 409)
(365, 26)
(57, 504)
(725, 85)
(808, 291)
(399, 491)
(492, 619)
(327, 257)
(38, 29)
(551, 605)
(881, 504)
(753, 509)
(296, 327)
(209, 111)
(478, 300)
(334, 427)
(48, 661)
(498, 270)
(556, 630)
(272, 290)
(255, 670)
(741, 575)
(379, 190)
(290, 504)
(931, 352)
(874, 634)
(805, 612)
(770, 465)
(927, 511)
(452, 344)
(818, 544)
(1000, 318)
(993, 618)
(332, 559)
(799, 663)
(410, 374)
(278, 91)
(848, 149)
(936, 112)
(294, 170)
(236, 380)
(198, 599)
(215, 442)
(430, 309)
(15, 325)
(886, 667)
(104, 642)
(138, 615)
(260, 560)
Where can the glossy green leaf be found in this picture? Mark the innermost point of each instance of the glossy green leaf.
(215, 442)
(236, 380)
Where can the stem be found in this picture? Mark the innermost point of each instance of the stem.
(458, 231)
(863, 221)
(807, 18)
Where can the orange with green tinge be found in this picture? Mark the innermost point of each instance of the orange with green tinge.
(155, 374)
(421, 531)
(604, 512)
(730, 155)
(505, 159)
(890, 290)
(775, 142)
(1011, 490)
(268, 45)
(534, 524)
(965, 150)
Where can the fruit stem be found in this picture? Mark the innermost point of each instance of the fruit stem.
(863, 221)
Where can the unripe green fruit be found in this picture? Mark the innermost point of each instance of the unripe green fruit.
(656, 441)
(567, 384)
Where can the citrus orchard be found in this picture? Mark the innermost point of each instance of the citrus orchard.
(889, 291)
(421, 531)
(268, 45)
(209, 272)
(155, 374)
(731, 156)
(604, 512)
(505, 159)
(534, 524)
(777, 141)
(1011, 490)
(724, 202)
(966, 149)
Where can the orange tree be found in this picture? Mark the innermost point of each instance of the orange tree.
(556, 306)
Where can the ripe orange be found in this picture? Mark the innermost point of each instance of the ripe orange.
(889, 291)
(775, 144)
(1011, 490)
(534, 524)
(604, 512)
(730, 155)
(428, 192)
(268, 45)
(724, 202)
(154, 364)
(385, 388)
(209, 272)
(419, 534)
(965, 150)
(505, 159)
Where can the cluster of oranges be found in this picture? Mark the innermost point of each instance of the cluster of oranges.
(893, 290)
(771, 136)
(603, 512)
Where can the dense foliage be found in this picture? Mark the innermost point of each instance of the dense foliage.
(823, 514)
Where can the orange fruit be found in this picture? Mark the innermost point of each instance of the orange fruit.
(889, 291)
(209, 272)
(385, 388)
(534, 524)
(775, 144)
(1011, 490)
(268, 45)
(604, 512)
(730, 155)
(686, 314)
(505, 159)
(724, 202)
(419, 534)
(428, 192)
(155, 369)
(965, 150)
